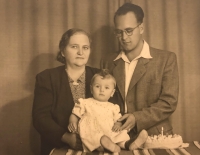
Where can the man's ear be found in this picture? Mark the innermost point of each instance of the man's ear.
(141, 27)
(112, 93)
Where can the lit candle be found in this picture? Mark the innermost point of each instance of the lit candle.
(162, 131)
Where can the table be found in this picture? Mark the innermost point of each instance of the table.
(191, 150)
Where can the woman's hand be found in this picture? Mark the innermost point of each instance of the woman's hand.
(130, 122)
(116, 126)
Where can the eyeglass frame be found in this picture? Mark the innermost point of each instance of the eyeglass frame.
(122, 31)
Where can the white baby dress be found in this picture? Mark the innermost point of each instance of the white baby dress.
(97, 119)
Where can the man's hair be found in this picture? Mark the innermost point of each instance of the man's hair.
(105, 74)
(129, 7)
(65, 40)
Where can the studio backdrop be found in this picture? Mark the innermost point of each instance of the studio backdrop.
(30, 31)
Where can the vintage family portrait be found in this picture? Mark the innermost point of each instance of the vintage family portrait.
(99, 77)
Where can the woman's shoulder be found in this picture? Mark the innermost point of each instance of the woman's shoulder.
(92, 69)
(52, 71)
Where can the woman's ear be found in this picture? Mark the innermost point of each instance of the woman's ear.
(112, 93)
(62, 54)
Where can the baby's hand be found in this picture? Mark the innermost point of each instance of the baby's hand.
(73, 127)
(116, 126)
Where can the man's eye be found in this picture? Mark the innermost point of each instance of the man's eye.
(129, 30)
(118, 31)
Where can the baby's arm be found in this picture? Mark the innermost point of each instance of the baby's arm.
(73, 123)
(77, 112)
(116, 126)
(116, 116)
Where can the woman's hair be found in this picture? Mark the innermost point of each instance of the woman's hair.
(129, 7)
(65, 40)
(105, 74)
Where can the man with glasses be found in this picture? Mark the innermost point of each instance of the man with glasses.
(147, 78)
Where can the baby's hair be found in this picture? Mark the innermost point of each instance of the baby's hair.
(105, 74)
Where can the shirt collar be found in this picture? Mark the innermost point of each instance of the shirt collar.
(81, 79)
(145, 53)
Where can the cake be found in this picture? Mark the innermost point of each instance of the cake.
(163, 141)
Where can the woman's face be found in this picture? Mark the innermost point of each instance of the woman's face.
(77, 51)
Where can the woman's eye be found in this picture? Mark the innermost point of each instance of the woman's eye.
(74, 46)
(85, 48)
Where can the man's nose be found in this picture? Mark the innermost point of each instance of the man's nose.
(124, 35)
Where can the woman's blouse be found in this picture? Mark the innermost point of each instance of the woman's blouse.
(77, 88)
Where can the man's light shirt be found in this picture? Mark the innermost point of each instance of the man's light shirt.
(130, 65)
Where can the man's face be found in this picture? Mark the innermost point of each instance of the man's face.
(129, 22)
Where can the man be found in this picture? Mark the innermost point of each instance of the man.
(147, 78)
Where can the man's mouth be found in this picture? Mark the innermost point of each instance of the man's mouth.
(126, 43)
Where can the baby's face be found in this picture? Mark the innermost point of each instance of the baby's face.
(102, 88)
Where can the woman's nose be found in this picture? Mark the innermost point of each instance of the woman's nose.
(80, 51)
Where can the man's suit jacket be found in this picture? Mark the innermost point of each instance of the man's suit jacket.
(153, 91)
(52, 106)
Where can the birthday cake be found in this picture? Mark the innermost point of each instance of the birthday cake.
(163, 141)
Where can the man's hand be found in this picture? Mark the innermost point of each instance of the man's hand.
(116, 126)
(130, 122)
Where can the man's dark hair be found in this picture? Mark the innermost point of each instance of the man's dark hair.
(129, 7)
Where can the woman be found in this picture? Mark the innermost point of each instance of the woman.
(57, 89)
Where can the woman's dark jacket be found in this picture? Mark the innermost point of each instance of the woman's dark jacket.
(53, 103)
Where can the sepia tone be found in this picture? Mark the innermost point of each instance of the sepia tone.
(30, 32)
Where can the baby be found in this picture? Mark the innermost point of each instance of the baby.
(98, 126)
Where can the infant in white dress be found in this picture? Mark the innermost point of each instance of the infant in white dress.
(97, 120)
(98, 126)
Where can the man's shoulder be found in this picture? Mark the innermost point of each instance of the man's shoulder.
(155, 51)
(110, 56)
(163, 58)
(108, 60)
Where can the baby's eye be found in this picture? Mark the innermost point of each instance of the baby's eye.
(107, 87)
(97, 86)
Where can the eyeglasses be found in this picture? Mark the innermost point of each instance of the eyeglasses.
(128, 31)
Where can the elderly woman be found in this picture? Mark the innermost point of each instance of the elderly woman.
(57, 89)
